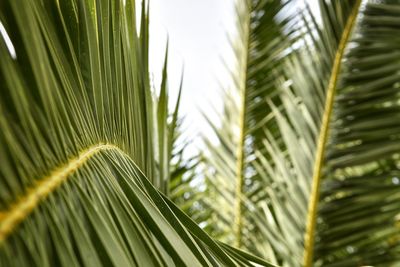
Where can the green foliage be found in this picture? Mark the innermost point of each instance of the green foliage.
(92, 164)
(360, 191)
(283, 83)
(83, 142)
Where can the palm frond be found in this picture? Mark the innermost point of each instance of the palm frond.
(359, 191)
(319, 65)
(79, 156)
(186, 188)
(259, 33)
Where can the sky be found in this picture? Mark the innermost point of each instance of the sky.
(197, 33)
(197, 36)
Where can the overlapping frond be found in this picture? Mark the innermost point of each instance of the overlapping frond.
(345, 234)
(359, 210)
(186, 188)
(288, 169)
(83, 141)
(339, 63)
(258, 48)
(108, 213)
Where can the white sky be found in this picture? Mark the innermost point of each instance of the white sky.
(197, 33)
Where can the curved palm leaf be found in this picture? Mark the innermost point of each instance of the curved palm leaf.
(359, 191)
(78, 153)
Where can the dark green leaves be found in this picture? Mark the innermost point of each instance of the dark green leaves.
(360, 193)
(289, 65)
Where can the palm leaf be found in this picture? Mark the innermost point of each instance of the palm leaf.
(241, 134)
(79, 159)
(328, 136)
(360, 172)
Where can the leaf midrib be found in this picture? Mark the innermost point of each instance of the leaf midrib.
(323, 137)
(240, 153)
(21, 208)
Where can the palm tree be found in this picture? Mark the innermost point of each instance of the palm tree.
(307, 160)
(305, 173)
(86, 147)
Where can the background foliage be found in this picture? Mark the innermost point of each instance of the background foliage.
(264, 168)
(305, 171)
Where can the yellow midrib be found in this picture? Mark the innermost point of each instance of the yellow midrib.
(18, 211)
(241, 142)
(321, 145)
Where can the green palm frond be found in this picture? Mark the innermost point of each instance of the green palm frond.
(360, 190)
(83, 141)
(186, 189)
(241, 131)
(321, 172)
